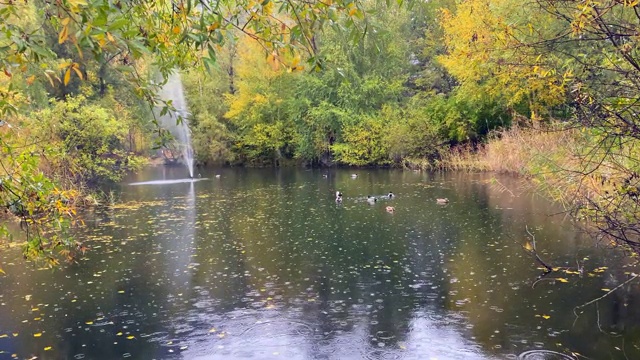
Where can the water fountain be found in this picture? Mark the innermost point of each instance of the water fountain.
(176, 122)
(173, 91)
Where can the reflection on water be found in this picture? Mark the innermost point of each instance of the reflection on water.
(264, 264)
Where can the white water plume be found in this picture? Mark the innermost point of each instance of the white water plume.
(174, 91)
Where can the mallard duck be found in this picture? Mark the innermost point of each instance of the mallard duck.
(442, 201)
(390, 209)
(371, 199)
(338, 197)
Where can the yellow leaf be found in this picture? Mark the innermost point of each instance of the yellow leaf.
(77, 70)
(110, 37)
(37, 334)
(546, 317)
(89, 322)
(353, 11)
(131, 337)
(30, 81)
(3, 336)
(64, 34)
(563, 280)
(77, 2)
(67, 76)
(605, 289)
(65, 21)
(120, 291)
(176, 30)
(528, 246)
(119, 334)
(47, 348)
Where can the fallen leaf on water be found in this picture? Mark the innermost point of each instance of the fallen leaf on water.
(37, 334)
(130, 337)
(89, 323)
(605, 289)
(47, 348)
(546, 317)
(119, 334)
(563, 280)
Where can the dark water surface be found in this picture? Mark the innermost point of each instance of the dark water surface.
(263, 264)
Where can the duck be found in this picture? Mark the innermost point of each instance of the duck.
(338, 197)
(353, 176)
(371, 199)
(390, 209)
(325, 176)
(217, 176)
(442, 201)
(391, 195)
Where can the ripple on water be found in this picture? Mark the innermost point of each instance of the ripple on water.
(379, 354)
(541, 354)
(277, 333)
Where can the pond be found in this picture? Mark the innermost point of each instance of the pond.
(264, 264)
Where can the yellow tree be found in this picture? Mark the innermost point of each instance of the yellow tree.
(487, 52)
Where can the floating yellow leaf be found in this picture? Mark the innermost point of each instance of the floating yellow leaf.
(119, 334)
(120, 291)
(89, 322)
(3, 336)
(130, 337)
(212, 330)
(37, 334)
(563, 280)
(47, 348)
(605, 289)
(545, 316)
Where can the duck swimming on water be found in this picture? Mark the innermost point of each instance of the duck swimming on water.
(391, 195)
(338, 197)
(442, 201)
(371, 199)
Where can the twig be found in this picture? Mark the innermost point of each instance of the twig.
(535, 251)
(605, 295)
